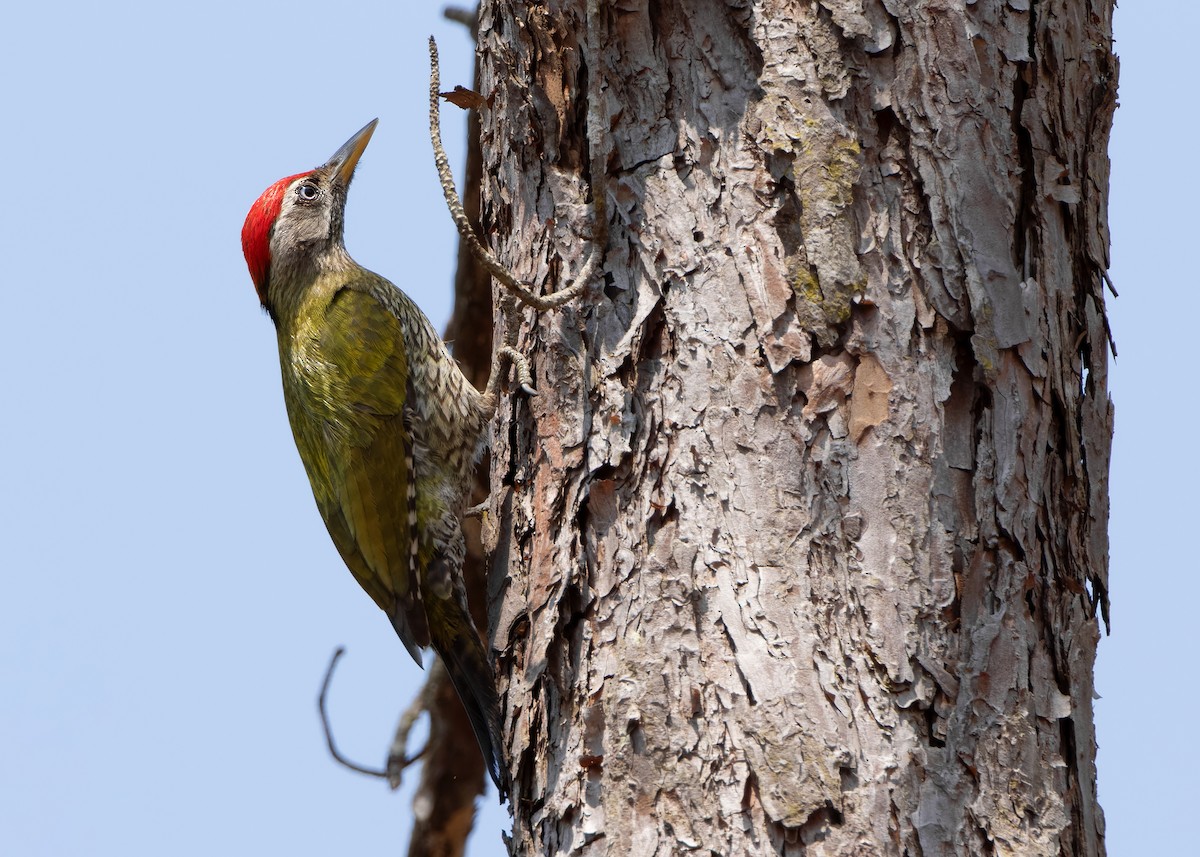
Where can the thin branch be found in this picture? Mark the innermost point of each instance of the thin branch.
(522, 291)
(469, 18)
(333, 750)
(1112, 342)
(397, 761)
(1108, 282)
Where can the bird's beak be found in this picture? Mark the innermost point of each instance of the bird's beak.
(346, 158)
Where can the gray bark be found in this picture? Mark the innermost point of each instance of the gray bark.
(800, 548)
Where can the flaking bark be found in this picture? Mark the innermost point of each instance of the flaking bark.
(801, 546)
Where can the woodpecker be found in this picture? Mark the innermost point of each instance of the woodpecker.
(388, 427)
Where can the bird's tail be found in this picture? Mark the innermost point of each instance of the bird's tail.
(472, 678)
(456, 641)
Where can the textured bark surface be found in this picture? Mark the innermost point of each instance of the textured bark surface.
(801, 547)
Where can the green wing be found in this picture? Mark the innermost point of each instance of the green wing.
(362, 486)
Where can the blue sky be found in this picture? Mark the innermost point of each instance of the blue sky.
(168, 596)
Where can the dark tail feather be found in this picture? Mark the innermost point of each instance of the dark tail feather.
(404, 632)
(455, 639)
(471, 674)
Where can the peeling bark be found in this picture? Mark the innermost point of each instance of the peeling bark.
(800, 548)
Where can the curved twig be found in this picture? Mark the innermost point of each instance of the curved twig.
(333, 750)
(397, 761)
(522, 291)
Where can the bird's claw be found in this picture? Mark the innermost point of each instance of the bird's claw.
(479, 510)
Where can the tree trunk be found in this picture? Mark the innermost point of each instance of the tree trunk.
(800, 548)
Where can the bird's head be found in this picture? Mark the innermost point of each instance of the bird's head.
(299, 219)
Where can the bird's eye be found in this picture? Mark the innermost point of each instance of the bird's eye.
(307, 192)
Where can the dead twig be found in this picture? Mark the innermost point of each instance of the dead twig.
(397, 761)
(469, 18)
(522, 291)
(333, 750)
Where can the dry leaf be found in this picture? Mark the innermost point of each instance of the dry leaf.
(464, 98)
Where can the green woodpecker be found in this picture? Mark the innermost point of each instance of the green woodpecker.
(386, 424)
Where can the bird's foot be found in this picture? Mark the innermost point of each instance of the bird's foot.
(520, 367)
(479, 510)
